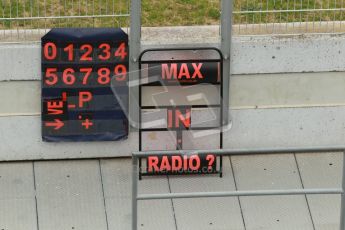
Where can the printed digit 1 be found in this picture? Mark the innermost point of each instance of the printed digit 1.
(69, 49)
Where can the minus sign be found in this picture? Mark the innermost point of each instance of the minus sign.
(71, 106)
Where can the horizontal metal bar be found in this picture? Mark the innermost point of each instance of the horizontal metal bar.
(239, 193)
(223, 152)
(177, 83)
(286, 11)
(178, 106)
(180, 129)
(180, 61)
(178, 174)
(66, 17)
(145, 47)
(180, 48)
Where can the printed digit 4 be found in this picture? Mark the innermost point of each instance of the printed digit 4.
(121, 51)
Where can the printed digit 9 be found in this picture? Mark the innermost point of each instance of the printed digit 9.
(120, 72)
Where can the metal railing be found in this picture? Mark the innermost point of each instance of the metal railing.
(231, 152)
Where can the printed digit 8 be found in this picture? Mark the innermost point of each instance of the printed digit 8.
(103, 76)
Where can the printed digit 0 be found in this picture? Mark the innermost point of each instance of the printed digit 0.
(50, 51)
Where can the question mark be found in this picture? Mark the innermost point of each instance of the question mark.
(210, 159)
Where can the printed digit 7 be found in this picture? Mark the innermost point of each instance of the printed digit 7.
(87, 72)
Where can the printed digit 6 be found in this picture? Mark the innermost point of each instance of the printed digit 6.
(68, 76)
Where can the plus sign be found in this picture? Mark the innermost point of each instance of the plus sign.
(87, 123)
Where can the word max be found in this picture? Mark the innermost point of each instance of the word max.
(182, 71)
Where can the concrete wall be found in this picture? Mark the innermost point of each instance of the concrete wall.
(250, 55)
(285, 92)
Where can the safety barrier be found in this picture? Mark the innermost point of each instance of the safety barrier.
(136, 156)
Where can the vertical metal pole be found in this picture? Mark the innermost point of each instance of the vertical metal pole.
(134, 49)
(134, 193)
(225, 33)
(134, 52)
(342, 207)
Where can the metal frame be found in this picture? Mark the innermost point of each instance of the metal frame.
(136, 47)
(231, 152)
(225, 47)
(221, 83)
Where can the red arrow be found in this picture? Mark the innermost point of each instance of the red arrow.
(57, 124)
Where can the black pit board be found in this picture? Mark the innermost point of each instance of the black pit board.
(78, 65)
(185, 68)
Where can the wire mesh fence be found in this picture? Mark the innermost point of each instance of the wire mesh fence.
(288, 16)
(27, 20)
